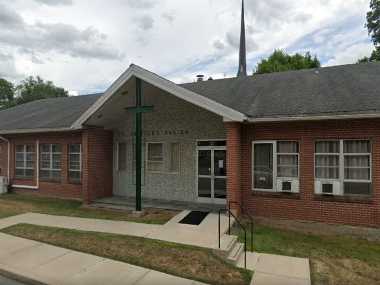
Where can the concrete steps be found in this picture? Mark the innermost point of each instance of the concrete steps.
(236, 253)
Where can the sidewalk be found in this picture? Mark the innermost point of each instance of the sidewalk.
(269, 269)
(54, 265)
(204, 235)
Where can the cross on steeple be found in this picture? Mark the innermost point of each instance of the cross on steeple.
(242, 53)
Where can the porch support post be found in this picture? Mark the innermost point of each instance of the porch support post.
(138, 146)
(234, 193)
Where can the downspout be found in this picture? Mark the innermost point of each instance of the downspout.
(37, 169)
(9, 155)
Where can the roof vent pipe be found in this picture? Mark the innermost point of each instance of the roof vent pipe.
(200, 77)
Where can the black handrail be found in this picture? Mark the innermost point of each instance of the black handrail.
(229, 229)
(247, 214)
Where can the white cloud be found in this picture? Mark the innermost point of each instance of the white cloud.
(80, 44)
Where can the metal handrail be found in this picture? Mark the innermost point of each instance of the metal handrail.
(229, 229)
(247, 214)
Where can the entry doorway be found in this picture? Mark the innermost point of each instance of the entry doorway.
(212, 172)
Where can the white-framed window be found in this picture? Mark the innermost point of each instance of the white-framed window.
(121, 156)
(272, 160)
(175, 153)
(24, 167)
(346, 161)
(155, 157)
(75, 163)
(50, 162)
(287, 159)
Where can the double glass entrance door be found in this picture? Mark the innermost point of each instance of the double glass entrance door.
(212, 174)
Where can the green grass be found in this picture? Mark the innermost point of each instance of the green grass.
(14, 204)
(334, 259)
(180, 260)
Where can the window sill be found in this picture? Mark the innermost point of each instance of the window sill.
(279, 195)
(24, 178)
(344, 199)
(50, 181)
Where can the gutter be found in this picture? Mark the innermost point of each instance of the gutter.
(313, 118)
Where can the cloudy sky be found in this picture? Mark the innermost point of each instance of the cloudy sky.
(83, 45)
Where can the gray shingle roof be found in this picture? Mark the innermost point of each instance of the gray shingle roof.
(346, 89)
(46, 114)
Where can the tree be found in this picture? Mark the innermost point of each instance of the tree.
(373, 21)
(373, 26)
(6, 93)
(281, 61)
(375, 56)
(32, 89)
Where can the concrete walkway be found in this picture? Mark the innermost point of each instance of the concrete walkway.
(273, 269)
(269, 269)
(48, 264)
(204, 235)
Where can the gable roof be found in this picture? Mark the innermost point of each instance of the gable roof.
(344, 90)
(45, 115)
(348, 91)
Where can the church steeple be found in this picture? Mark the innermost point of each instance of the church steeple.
(242, 53)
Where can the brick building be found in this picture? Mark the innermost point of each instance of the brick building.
(295, 145)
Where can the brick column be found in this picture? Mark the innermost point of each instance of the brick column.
(233, 130)
(97, 152)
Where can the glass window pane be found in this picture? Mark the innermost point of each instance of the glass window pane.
(220, 163)
(29, 173)
(56, 148)
(45, 147)
(174, 157)
(56, 161)
(263, 166)
(327, 147)
(75, 148)
(29, 148)
(204, 162)
(122, 156)
(204, 187)
(357, 161)
(327, 160)
(155, 152)
(75, 176)
(327, 172)
(19, 148)
(357, 146)
(287, 147)
(20, 156)
(354, 188)
(220, 188)
(357, 173)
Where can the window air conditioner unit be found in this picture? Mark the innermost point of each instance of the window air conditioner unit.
(328, 187)
(287, 185)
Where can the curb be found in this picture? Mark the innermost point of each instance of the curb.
(20, 278)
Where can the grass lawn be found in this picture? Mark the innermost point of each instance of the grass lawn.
(14, 204)
(180, 260)
(334, 259)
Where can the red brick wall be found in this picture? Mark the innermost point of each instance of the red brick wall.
(98, 164)
(233, 131)
(3, 158)
(306, 205)
(64, 188)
